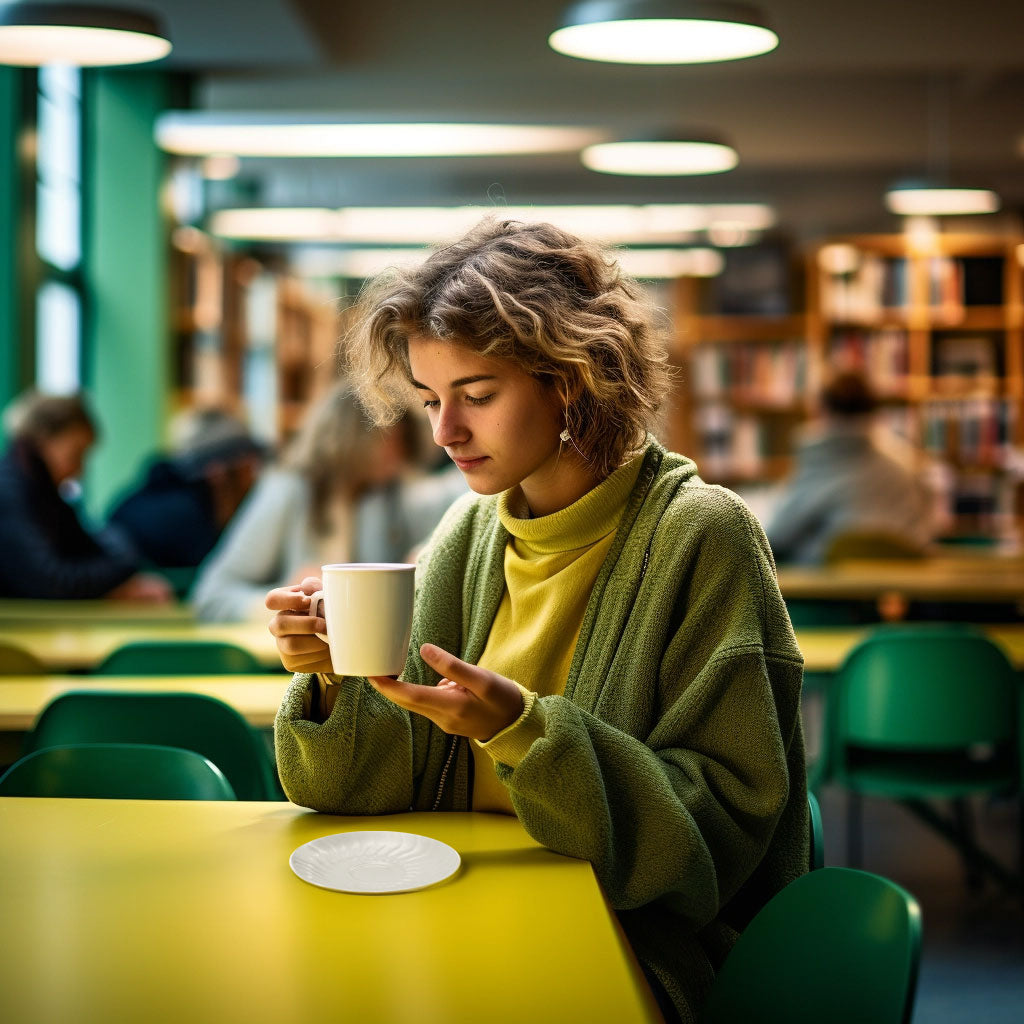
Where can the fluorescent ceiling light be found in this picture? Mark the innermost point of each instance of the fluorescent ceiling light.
(918, 200)
(613, 224)
(33, 34)
(655, 264)
(659, 157)
(203, 133)
(662, 32)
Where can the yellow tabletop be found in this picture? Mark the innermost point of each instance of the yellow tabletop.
(825, 647)
(22, 698)
(76, 647)
(22, 610)
(949, 579)
(161, 911)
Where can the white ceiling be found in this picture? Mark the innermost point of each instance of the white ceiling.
(822, 125)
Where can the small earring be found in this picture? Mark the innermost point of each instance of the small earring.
(564, 435)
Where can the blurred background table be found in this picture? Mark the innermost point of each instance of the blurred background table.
(188, 911)
(81, 646)
(15, 610)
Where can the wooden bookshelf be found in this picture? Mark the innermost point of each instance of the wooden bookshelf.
(938, 325)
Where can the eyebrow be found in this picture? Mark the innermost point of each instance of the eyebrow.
(461, 382)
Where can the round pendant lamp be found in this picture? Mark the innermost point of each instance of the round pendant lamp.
(662, 31)
(931, 199)
(660, 157)
(33, 34)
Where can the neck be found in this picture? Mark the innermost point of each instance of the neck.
(565, 482)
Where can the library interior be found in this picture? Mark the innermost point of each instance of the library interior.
(820, 209)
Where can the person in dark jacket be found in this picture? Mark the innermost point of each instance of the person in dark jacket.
(175, 516)
(45, 551)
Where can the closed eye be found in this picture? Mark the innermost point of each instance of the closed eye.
(431, 403)
(482, 400)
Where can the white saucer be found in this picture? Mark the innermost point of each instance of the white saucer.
(374, 862)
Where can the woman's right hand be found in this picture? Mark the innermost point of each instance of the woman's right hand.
(295, 630)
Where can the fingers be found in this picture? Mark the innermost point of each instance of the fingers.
(470, 676)
(291, 599)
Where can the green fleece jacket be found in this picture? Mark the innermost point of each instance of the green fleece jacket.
(674, 760)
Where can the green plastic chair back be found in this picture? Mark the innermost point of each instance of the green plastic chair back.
(178, 657)
(817, 833)
(14, 661)
(919, 711)
(196, 722)
(124, 771)
(836, 946)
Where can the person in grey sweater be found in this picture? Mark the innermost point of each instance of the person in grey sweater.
(845, 485)
(344, 491)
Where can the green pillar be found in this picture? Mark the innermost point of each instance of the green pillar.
(12, 342)
(126, 362)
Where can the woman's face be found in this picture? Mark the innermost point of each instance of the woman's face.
(497, 423)
(64, 453)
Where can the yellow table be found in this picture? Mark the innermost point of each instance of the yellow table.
(78, 647)
(22, 698)
(825, 647)
(165, 911)
(932, 579)
(19, 610)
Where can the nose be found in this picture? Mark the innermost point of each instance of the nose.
(449, 428)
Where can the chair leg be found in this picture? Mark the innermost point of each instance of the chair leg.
(854, 829)
(963, 820)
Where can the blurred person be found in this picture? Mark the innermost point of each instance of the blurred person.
(846, 486)
(45, 550)
(175, 516)
(343, 491)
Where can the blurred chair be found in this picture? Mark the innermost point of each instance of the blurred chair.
(921, 713)
(15, 661)
(196, 722)
(817, 833)
(124, 771)
(178, 658)
(836, 945)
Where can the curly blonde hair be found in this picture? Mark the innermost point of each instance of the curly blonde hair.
(530, 292)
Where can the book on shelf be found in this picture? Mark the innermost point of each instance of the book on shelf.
(767, 374)
(882, 354)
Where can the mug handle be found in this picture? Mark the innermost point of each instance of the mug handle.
(314, 609)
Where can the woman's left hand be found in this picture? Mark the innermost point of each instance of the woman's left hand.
(468, 701)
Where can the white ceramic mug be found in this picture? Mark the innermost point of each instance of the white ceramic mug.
(368, 608)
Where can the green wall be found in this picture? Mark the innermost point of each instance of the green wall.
(126, 364)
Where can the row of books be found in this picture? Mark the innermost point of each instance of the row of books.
(884, 355)
(737, 445)
(970, 431)
(879, 283)
(771, 374)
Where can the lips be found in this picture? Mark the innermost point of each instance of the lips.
(465, 463)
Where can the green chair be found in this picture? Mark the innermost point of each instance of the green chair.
(869, 544)
(124, 771)
(817, 852)
(179, 658)
(15, 661)
(836, 945)
(196, 722)
(924, 713)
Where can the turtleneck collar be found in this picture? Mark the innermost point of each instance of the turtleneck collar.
(582, 523)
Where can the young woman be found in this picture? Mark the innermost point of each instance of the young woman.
(599, 646)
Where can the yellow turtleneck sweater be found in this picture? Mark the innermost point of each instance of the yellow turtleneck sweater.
(551, 564)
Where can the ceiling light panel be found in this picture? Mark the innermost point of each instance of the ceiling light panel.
(201, 134)
(659, 157)
(912, 201)
(662, 32)
(35, 34)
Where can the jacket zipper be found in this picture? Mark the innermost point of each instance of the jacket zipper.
(453, 743)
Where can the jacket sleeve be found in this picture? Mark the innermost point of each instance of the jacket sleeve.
(685, 808)
(371, 756)
(249, 560)
(33, 568)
